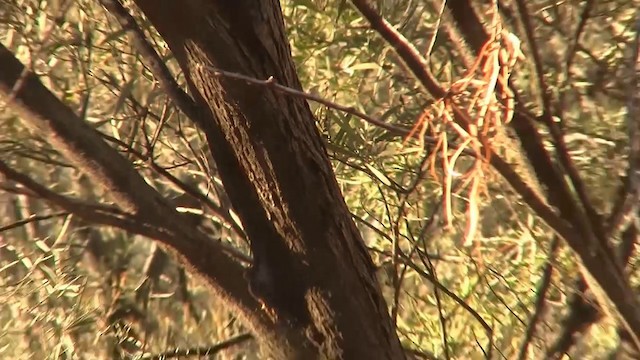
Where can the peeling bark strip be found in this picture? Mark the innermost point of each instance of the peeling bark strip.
(311, 269)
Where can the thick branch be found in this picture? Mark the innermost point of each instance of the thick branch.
(276, 172)
(83, 147)
(598, 260)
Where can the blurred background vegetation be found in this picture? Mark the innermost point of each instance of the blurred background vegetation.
(70, 290)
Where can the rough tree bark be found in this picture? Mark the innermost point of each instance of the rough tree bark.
(310, 268)
(311, 271)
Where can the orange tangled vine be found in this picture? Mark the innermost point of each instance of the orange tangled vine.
(483, 92)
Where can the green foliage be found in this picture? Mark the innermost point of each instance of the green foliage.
(71, 290)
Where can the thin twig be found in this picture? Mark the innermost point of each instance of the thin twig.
(633, 122)
(97, 214)
(31, 219)
(595, 222)
(541, 297)
(406, 260)
(207, 351)
(273, 84)
(409, 55)
(453, 296)
(625, 211)
(436, 28)
(436, 293)
(220, 212)
(167, 81)
(560, 226)
(584, 17)
(601, 265)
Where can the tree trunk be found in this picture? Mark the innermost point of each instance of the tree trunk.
(311, 269)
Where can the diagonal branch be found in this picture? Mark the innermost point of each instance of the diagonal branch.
(559, 194)
(204, 351)
(84, 148)
(93, 213)
(562, 152)
(501, 166)
(541, 299)
(167, 81)
(409, 55)
(597, 260)
(625, 211)
(31, 219)
(633, 123)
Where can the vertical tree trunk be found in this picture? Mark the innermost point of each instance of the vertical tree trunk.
(310, 268)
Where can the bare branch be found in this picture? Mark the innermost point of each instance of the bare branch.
(541, 295)
(407, 52)
(595, 221)
(633, 124)
(31, 219)
(206, 351)
(598, 261)
(184, 102)
(273, 84)
(625, 212)
(500, 165)
(94, 213)
(83, 146)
